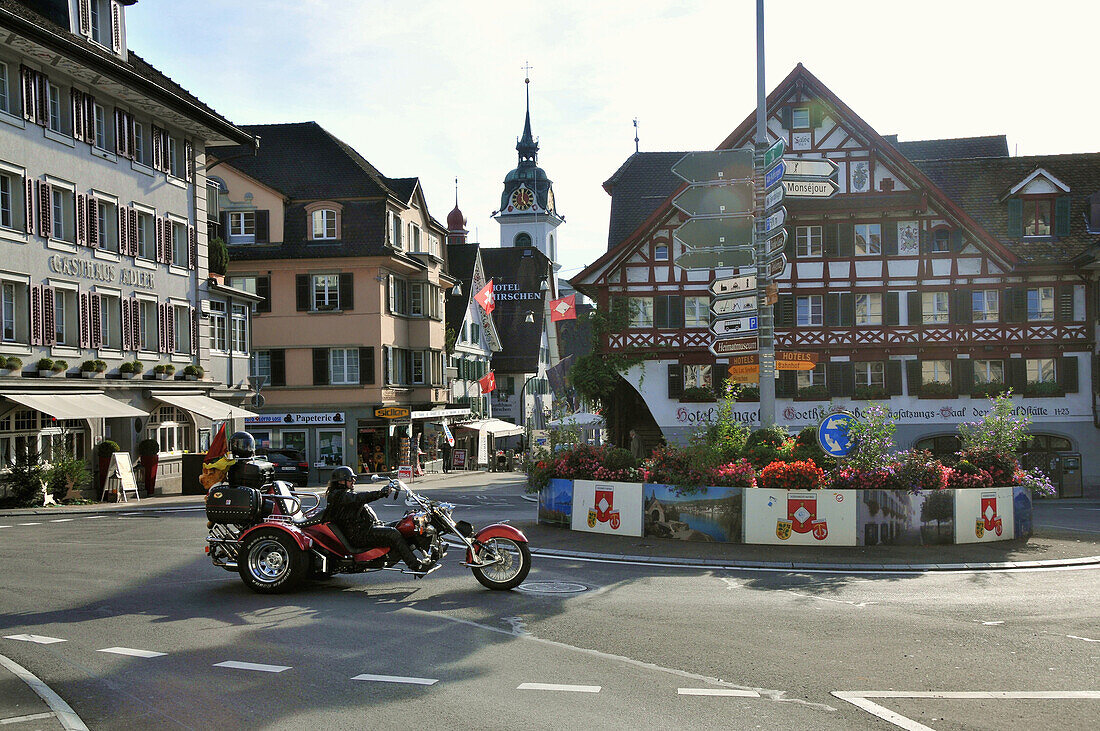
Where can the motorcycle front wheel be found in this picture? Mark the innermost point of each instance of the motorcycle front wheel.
(510, 571)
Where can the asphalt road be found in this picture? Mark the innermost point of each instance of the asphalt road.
(595, 645)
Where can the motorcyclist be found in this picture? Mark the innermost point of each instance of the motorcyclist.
(348, 509)
(242, 445)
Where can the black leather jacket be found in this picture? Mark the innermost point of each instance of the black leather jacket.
(348, 509)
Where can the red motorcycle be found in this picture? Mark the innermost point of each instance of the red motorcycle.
(266, 537)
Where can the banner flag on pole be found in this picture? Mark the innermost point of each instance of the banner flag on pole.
(488, 382)
(485, 298)
(564, 308)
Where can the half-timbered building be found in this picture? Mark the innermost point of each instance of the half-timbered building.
(941, 272)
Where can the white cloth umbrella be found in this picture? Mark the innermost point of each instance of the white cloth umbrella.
(581, 418)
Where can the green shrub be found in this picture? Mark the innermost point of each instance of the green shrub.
(867, 393)
(749, 393)
(936, 389)
(13, 363)
(88, 366)
(126, 367)
(1042, 388)
(698, 393)
(193, 370)
(106, 448)
(64, 473)
(817, 392)
(23, 480)
(138, 366)
(59, 366)
(44, 364)
(148, 447)
(100, 366)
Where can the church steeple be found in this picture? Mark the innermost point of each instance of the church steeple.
(527, 146)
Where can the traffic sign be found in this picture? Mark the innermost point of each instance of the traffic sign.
(715, 257)
(771, 293)
(730, 346)
(810, 188)
(735, 326)
(745, 368)
(733, 285)
(774, 175)
(776, 266)
(776, 243)
(716, 199)
(775, 220)
(774, 153)
(814, 168)
(715, 165)
(789, 360)
(733, 306)
(724, 231)
(774, 197)
(832, 434)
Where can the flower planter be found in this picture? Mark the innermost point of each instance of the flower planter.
(163, 376)
(10, 373)
(190, 378)
(47, 374)
(128, 376)
(91, 374)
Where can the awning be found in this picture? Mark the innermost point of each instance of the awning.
(203, 406)
(496, 427)
(75, 405)
(581, 418)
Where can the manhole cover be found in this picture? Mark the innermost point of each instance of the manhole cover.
(552, 587)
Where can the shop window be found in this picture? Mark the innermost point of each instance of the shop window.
(330, 446)
(171, 428)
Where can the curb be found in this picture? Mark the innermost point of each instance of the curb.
(61, 710)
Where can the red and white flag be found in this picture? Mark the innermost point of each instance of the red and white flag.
(488, 382)
(564, 308)
(485, 298)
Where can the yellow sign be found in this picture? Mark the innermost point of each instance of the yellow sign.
(745, 374)
(787, 360)
(392, 412)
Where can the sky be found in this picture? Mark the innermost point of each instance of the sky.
(434, 89)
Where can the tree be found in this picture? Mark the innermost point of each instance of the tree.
(219, 256)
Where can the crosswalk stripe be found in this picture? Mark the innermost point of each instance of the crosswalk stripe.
(28, 524)
(23, 719)
(62, 520)
(251, 666)
(37, 639)
(93, 517)
(564, 688)
(396, 679)
(718, 691)
(131, 652)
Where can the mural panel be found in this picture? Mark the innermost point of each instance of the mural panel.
(712, 514)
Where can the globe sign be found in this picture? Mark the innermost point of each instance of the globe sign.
(832, 434)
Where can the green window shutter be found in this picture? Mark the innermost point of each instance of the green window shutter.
(789, 247)
(847, 309)
(320, 367)
(366, 365)
(830, 247)
(347, 291)
(832, 308)
(846, 233)
(1014, 297)
(956, 239)
(676, 310)
(915, 316)
(1016, 373)
(278, 367)
(816, 113)
(263, 289)
(784, 311)
(964, 375)
(840, 378)
(1015, 218)
(660, 311)
(1067, 374)
(675, 381)
(913, 377)
(785, 116)
(786, 386)
(890, 238)
(1061, 215)
(892, 315)
(301, 289)
(893, 377)
(962, 309)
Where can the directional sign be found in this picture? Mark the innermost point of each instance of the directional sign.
(735, 326)
(734, 285)
(776, 266)
(715, 257)
(715, 165)
(745, 368)
(733, 306)
(810, 188)
(726, 231)
(802, 167)
(832, 434)
(716, 200)
(775, 220)
(774, 153)
(774, 197)
(731, 346)
(774, 175)
(789, 360)
(776, 243)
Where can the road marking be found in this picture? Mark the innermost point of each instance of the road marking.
(62, 520)
(21, 719)
(5, 526)
(1086, 639)
(718, 691)
(251, 666)
(999, 621)
(860, 699)
(396, 679)
(64, 712)
(37, 639)
(563, 688)
(94, 517)
(131, 652)
(28, 524)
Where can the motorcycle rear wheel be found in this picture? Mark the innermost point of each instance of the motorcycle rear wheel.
(510, 571)
(271, 563)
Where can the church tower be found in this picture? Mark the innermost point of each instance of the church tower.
(528, 215)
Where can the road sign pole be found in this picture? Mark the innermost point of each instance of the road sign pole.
(767, 344)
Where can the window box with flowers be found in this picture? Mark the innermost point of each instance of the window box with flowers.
(698, 394)
(1040, 389)
(748, 394)
(11, 366)
(93, 368)
(987, 390)
(803, 475)
(164, 371)
(869, 393)
(193, 373)
(936, 389)
(816, 392)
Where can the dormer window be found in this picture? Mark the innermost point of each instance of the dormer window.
(660, 252)
(101, 21)
(1036, 218)
(1038, 206)
(324, 224)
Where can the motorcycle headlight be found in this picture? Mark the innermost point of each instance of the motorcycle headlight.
(447, 508)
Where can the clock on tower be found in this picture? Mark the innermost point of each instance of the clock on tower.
(522, 199)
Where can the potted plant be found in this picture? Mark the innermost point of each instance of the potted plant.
(749, 394)
(88, 369)
(126, 370)
(193, 372)
(698, 394)
(149, 454)
(164, 371)
(138, 367)
(936, 389)
(11, 366)
(60, 366)
(103, 451)
(816, 392)
(44, 367)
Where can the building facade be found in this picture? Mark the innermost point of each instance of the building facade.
(942, 272)
(351, 269)
(102, 185)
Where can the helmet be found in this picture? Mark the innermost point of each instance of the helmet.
(340, 474)
(242, 445)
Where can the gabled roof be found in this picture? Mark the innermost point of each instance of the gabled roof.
(637, 189)
(959, 147)
(460, 265)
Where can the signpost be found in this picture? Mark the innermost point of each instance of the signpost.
(812, 168)
(729, 346)
(810, 188)
(774, 175)
(789, 360)
(716, 200)
(738, 285)
(832, 434)
(775, 220)
(776, 243)
(733, 306)
(776, 266)
(774, 196)
(715, 257)
(734, 326)
(724, 231)
(717, 165)
(774, 153)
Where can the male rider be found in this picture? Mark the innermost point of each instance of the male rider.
(348, 509)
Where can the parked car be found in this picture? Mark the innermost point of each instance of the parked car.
(290, 464)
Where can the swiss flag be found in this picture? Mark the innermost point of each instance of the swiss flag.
(485, 298)
(488, 382)
(564, 308)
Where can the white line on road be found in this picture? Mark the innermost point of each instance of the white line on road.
(1086, 639)
(131, 652)
(251, 666)
(718, 691)
(64, 712)
(37, 639)
(93, 517)
(28, 524)
(857, 700)
(22, 719)
(999, 621)
(62, 520)
(396, 679)
(563, 688)
(860, 699)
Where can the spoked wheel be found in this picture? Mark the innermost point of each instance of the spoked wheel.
(270, 563)
(512, 568)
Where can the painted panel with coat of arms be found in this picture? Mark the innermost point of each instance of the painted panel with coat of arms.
(984, 515)
(787, 517)
(607, 507)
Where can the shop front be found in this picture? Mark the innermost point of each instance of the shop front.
(320, 436)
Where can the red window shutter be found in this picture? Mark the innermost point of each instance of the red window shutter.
(49, 323)
(78, 114)
(116, 27)
(93, 222)
(96, 301)
(194, 331)
(159, 238)
(36, 314)
(170, 334)
(30, 204)
(131, 145)
(42, 95)
(85, 17)
(133, 232)
(123, 231)
(26, 81)
(120, 135)
(160, 326)
(81, 219)
(44, 208)
(189, 161)
(85, 319)
(89, 119)
(124, 325)
(156, 147)
(135, 324)
(192, 248)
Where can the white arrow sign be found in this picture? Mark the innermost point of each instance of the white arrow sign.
(734, 326)
(774, 198)
(734, 306)
(733, 285)
(802, 167)
(775, 220)
(810, 188)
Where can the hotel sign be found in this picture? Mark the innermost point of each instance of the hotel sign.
(98, 271)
